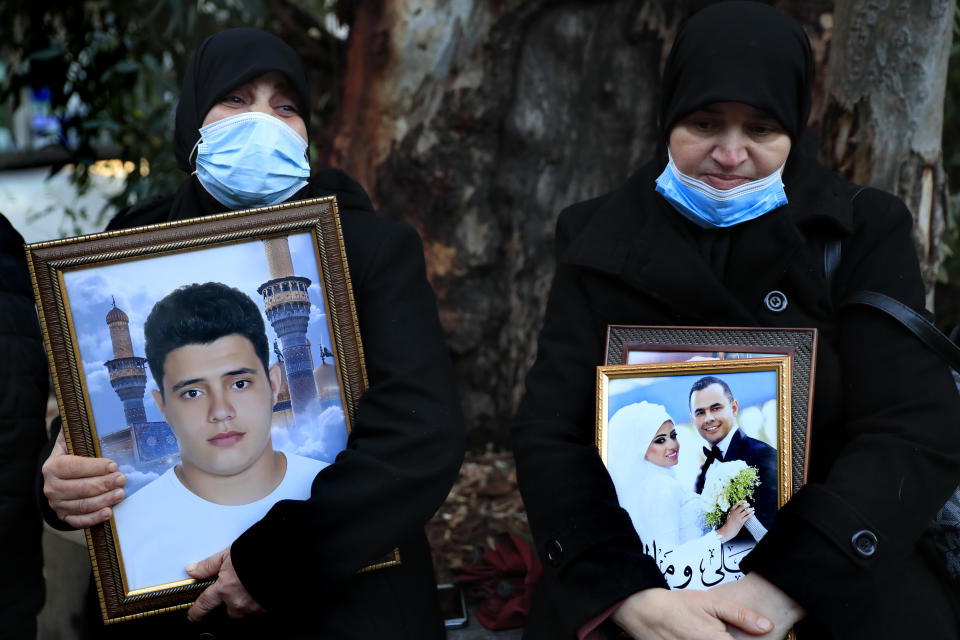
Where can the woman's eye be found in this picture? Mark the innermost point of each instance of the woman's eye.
(762, 129)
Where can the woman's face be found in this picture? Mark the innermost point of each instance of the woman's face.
(664, 450)
(726, 144)
(269, 93)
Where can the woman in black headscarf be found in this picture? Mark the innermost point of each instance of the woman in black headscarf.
(727, 226)
(222, 63)
(241, 134)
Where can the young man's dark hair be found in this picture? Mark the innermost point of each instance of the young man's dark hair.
(699, 385)
(200, 314)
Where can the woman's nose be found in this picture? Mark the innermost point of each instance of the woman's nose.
(262, 106)
(730, 150)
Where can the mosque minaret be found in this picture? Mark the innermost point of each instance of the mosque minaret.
(287, 305)
(128, 375)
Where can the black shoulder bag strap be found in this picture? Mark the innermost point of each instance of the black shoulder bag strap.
(913, 321)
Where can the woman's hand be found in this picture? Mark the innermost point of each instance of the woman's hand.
(227, 590)
(81, 490)
(659, 614)
(766, 598)
(738, 514)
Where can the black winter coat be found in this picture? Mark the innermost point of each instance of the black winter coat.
(23, 408)
(301, 561)
(885, 447)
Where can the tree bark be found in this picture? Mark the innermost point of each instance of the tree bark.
(883, 115)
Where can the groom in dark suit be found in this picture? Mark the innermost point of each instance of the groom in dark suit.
(714, 411)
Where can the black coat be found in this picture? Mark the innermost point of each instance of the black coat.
(23, 407)
(885, 448)
(301, 561)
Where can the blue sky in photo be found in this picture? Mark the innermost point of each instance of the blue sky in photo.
(138, 284)
(748, 388)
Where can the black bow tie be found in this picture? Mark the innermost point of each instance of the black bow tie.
(713, 453)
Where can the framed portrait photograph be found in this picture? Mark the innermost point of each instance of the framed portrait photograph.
(218, 362)
(636, 344)
(700, 454)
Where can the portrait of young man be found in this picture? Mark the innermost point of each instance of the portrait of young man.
(207, 349)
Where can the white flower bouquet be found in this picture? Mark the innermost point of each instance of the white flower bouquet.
(728, 483)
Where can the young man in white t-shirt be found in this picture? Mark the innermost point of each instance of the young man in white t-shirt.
(207, 349)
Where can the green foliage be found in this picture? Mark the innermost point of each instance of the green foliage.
(114, 69)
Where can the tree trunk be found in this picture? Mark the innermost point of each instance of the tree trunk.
(883, 115)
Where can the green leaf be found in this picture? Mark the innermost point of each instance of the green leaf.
(46, 54)
(126, 66)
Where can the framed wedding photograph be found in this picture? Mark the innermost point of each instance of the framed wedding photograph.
(700, 454)
(638, 344)
(190, 353)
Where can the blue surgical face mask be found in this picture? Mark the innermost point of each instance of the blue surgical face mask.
(251, 160)
(710, 208)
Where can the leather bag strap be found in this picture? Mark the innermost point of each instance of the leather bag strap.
(913, 321)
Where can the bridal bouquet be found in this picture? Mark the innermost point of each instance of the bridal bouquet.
(727, 483)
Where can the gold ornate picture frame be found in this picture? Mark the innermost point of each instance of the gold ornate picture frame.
(93, 295)
(681, 440)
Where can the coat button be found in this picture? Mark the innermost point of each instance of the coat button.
(554, 552)
(864, 543)
(775, 301)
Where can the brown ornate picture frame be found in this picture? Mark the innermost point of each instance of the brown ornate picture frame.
(680, 344)
(655, 424)
(93, 294)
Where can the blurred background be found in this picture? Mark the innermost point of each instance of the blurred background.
(476, 121)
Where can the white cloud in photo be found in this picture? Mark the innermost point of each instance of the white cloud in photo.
(317, 315)
(95, 345)
(138, 284)
(320, 438)
(98, 378)
(624, 385)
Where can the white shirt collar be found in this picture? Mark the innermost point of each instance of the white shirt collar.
(724, 444)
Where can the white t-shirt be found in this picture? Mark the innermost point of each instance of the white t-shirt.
(164, 526)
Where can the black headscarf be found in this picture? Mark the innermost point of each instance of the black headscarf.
(222, 62)
(740, 52)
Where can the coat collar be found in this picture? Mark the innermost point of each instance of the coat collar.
(630, 235)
